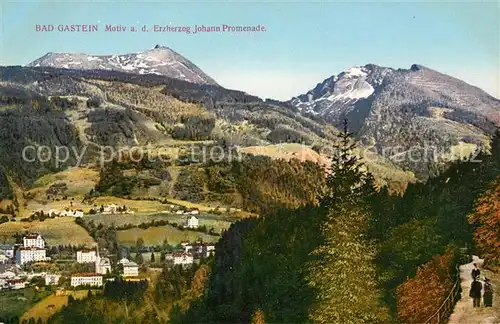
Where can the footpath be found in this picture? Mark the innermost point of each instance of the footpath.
(464, 313)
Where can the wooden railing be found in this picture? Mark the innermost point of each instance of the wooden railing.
(446, 308)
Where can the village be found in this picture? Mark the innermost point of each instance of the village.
(19, 261)
(66, 249)
(105, 210)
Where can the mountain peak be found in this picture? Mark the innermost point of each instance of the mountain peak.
(354, 89)
(416, 67)
(355, 71)
(161, 47)
(159, 60)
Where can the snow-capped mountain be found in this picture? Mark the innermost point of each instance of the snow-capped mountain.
(404, 108)
(361, 86)
(333, 94)
(160, 60)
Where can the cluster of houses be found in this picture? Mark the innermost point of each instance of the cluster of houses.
(33, 249)
(199, 250)
(188, 212)
(190, 252)
(68, 212)
(115, 209)
(102, 267)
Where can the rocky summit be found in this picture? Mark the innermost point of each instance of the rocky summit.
(405, 111)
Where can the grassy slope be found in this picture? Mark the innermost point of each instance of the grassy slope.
(62, 230)
(79, 182)
(41, 310)
(156, 235)
(16, 302)
(218, 222)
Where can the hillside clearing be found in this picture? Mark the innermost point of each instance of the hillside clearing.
(217, 222)
(16, 302)
(56, 231)
(42, 309)
(155, 236)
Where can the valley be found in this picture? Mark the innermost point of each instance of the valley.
(193, 201)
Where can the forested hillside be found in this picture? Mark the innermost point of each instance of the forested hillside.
(359, 255)
(86, 111)
(366, 273)
(254, 183)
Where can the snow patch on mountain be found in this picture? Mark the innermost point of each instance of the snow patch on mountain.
(356, 72)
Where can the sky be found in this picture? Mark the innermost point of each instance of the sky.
(304, 42)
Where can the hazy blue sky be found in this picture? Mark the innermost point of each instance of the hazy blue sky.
(305, 42)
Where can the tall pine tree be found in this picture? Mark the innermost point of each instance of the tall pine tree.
(343, 273)
(346, 181)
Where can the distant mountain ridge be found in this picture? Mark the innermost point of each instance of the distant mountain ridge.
(160, 60)
(391, 111)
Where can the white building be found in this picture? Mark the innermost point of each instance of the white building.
(7, 275)
(72, 213)
(183, 258)
(192, 222)
(16, 284)
(86, 256)
(83, 279)
(130, 269)
(208, 249)
(33, 240)
(102, 265)
(124, 261)
(110, 209)
(188, 247)
(67, 212)
(30, 254)
(195, 212)
(199, 249)
(52, 279)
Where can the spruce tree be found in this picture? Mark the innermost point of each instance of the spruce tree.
(165, 244)
(138, 258)
(343, 272)
(346, 181)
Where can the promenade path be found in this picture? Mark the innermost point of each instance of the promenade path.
(464, 313)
